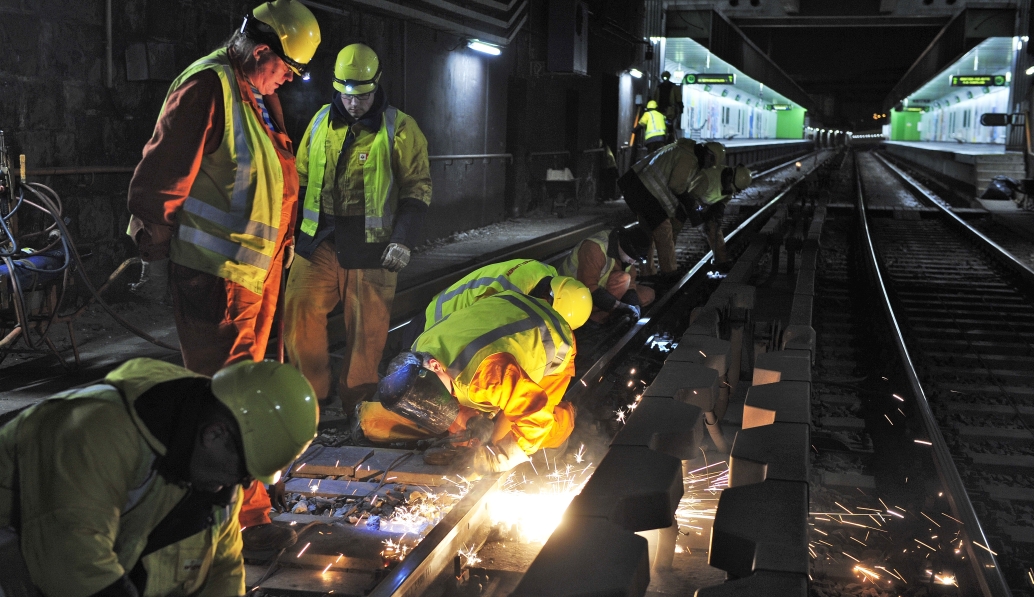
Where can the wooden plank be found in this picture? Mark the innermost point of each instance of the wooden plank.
(348, 461)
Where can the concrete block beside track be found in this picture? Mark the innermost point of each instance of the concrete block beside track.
(761, 526)
(687, 382)
(766, 584)
(704, 350)
(704, 321)
(778, 451)
(588, 556)
(800, 337)
(634, 487)
(663, 424)
(780, 402)
(782, 365)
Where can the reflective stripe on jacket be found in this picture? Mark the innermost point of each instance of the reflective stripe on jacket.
(228, 226)
(518, 275)
(570, 265)
(527, 328)
(670, 171)
(89, 497)
(653, 125)
(379, 184)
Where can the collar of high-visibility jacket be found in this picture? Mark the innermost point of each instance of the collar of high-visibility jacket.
(370, 120)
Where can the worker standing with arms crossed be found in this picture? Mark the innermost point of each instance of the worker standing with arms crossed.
(367, 184)
(215, 193)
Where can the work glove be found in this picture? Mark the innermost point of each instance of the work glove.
(395, 257)
(499, 457)
(480, 427)
(153, 282)
(288, 255)
(632, 311)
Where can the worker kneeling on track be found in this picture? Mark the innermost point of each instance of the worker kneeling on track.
(132, 486)
(508, 356)
(568, 297)
(606, 263)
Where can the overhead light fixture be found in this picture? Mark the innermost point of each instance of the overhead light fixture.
(484, 48)
(636, 73)
(1029, 71)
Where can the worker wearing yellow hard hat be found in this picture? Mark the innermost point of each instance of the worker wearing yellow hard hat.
(213, 203)
(508, 356)
(133, 484)
(606, 263)
(367, 185)
(567, 296)
(654, 128)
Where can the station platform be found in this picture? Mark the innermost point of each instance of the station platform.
(763, 153)
(972, 165)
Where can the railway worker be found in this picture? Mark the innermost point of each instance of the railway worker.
(669, 102)
(711, 194)
(606, 263)
(655, 131)
(568, 297)
(132, 486)
(215, 193)
(367, 184)
(657, 187)
(509, 356)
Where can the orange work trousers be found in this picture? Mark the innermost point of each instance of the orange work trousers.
(220, 323)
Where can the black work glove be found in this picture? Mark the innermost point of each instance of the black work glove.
(480, 427)
(631, 297)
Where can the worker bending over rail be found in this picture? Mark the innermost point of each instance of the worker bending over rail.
(568, 297)
(606, 264)
(507, 356)
(215, 193)
(132, 486)
(711, 194)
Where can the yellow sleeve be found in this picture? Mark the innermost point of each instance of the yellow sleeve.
(412, 168)
(644, 119)
(226, 576)
(302, 159)
(73, 487)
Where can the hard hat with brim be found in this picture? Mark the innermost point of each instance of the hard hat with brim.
(416, 393)
(651, 105)
(289, 28)
(275, 409)
(356, 70)
(718, 150)
(635, 242)
(572, 300)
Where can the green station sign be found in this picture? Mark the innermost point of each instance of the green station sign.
(706, 79)
(978, 80)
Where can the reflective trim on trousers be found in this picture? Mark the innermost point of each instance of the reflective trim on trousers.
(228, 249)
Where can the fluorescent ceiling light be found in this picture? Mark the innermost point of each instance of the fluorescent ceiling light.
(485, 48)
(635, 72)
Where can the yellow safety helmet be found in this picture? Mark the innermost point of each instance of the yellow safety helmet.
(572, 300)
(289, 28)
(742, 177)
(357, 70)
(275, 409)
(718, 150)
(651, 105)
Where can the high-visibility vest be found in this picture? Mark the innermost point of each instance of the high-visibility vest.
(527, 328)
(379, 187)
(570, 265)
(230, 222)
(653, 122)
(655, 172)
(710, 186)
(518, 275)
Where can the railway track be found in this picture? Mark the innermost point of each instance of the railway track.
(299, 570)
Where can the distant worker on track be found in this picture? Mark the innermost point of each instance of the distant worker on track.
(508, 356)
(132, 486)
(655, 131)
(657, 189)
(606, 264)
(668, 95)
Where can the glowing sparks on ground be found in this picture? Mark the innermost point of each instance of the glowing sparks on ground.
(945, 579)
(579, 456)
(868, 574)
(532, 508)
(469, 557)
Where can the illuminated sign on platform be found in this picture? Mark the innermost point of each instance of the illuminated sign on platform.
(705, 79)
(977, 80)
(780, 107)
(915, 109)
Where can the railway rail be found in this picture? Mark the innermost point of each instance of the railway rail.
(463, 526)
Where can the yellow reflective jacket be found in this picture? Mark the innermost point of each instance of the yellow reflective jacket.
(230, 222)
(518, 275)
(391, 164)
(708, 190)
(570, 265)
(89, 496)
(668, 172)
(653, 125)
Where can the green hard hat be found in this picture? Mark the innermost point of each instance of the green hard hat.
(276, 410)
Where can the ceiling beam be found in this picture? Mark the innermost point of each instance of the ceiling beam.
(839, 22)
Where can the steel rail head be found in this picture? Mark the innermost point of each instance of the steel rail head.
(594, 375)
(985, 566)
(1000, 253)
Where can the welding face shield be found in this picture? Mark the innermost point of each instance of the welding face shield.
(416, 393)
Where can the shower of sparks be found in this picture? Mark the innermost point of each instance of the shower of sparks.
(985, 547)
(944, 579)
(532, 508)
(579, 456)
(701, 489)
(469, 557)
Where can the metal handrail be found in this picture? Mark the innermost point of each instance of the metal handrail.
(989, 575)
(471, 156)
